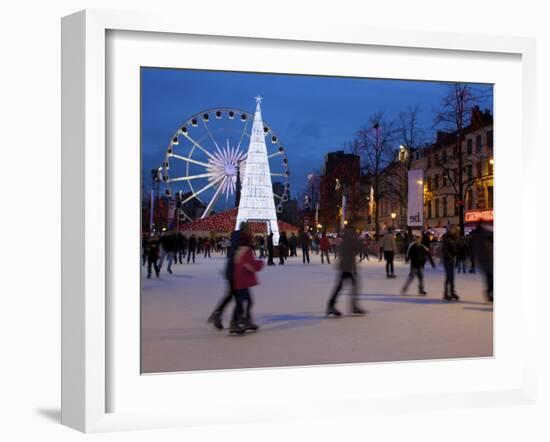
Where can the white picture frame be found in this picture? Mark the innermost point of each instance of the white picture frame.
(86, 356)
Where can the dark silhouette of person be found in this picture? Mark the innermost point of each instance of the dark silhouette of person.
(347, 270)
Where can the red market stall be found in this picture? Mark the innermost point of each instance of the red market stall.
(223, 224)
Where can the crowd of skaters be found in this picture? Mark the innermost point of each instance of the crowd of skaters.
(246, 254)
(176, 248)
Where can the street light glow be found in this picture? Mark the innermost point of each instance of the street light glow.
(419, 182)
(393, 215)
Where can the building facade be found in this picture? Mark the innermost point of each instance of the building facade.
(445, 188)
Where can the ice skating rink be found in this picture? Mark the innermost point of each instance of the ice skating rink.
(289, 308)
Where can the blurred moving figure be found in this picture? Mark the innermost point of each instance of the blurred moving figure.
(283, 248)
(191, 248)
(449, 251)
(303, 239)
(482, 249)
(324, 245)
(152, 251)
(245, 267)
(417, 254)
(216, 317)
(462, 254)
(270, 250)
(389, 246)
(348, 270)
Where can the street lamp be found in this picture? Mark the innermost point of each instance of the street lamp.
(393, 216)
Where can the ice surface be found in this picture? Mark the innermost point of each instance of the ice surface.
(289, 307)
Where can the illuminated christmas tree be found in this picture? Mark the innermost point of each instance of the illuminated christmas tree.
(256, 199)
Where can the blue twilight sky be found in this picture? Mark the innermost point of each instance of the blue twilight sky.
(312, 115)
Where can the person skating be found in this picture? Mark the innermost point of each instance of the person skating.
(283, 248)
(389, 246)
(182, 246)
(153, 249)
(215, 317)
(261, 246)
(449, 250)
(417, 253)
(347, 270)
(461, 254)
(293, 244)
(245, 267)
(303, 239)
(324, 245)
(191, 248)
(482, 249)
(144, 241)
(270, 250)
(168, 241)
(207, 246)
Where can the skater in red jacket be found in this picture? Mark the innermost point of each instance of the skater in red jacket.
(244, 277)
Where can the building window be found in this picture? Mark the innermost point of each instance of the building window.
(436, 159)
(479, 169)
(490, 167)
(429, 182)
(456, 206)
(478, 143)
(429, 209)
(436, 181)
(444, 180)
(444, 156)
(470, 198)
(469, 172)
(455, 176)
(429, 161)
(469, 146)
(490, 197)
(444, 202)
(490, 138)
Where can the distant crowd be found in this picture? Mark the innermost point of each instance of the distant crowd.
(246, 254)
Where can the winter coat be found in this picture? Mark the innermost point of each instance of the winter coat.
(245, 267)
(388, 243)
(325, 244)
(304, 241)
(482, 248)
(449, 248)
(417, 255)
(349, 248)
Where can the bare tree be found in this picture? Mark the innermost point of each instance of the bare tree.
(411, 137)
(455, 117)
(374, 143)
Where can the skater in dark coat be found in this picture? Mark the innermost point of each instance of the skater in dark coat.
(417, 254)
(191, 248)
(449, 251)
(303, 239)
(482, 248)
(270, 250)
(347, 270)
(293, 244)
(283, 248)
(153, 251)
(461, 255)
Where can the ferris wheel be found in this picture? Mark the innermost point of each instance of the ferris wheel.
(207, 154)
